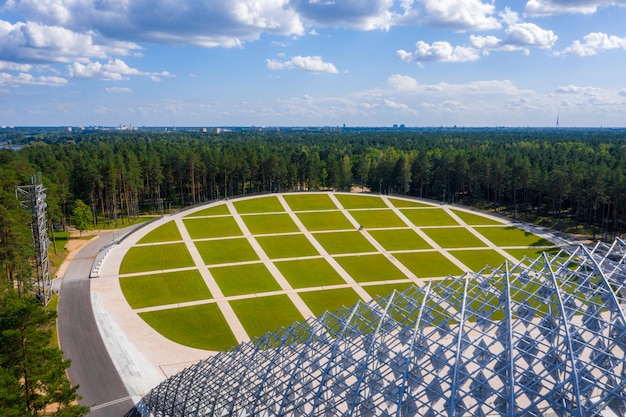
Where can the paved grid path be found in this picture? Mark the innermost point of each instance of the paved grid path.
(143, 357)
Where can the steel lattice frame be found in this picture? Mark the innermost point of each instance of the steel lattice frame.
(33, 198)
(543, 337)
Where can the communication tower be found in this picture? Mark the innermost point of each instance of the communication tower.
(33, 198)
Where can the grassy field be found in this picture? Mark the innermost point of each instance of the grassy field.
(244, 279)
(201, 327)
(287, 246)
(165, 233)
(207, 228)
(161, 289)
(323, 280)
(156, 258)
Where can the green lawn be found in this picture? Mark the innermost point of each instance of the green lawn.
(325, 220)
(258, 205)
(221, 244)
(428, 264)
(356, 201)
(200, 327)
(474, 219)
(329, 300)
(407, 203)
(429, 217)
(165, 233)
(478, 259)
(386, 289)
(306, 273)
(399, 239)
(265, 314)
(244, 279)
(532, 253)
(287, 246)
(263, 224)
(454, 237)
(213, 227)
(377, 218)
(369, 268)
(161, 289)
(306, 202)
(156, 258)
(224, 251)
(216, 210)
(344, 242)
(511, 236)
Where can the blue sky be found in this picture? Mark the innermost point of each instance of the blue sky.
(313, 62)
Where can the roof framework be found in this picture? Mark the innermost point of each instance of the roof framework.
(543, 337)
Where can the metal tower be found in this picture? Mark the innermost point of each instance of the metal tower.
(33, 198)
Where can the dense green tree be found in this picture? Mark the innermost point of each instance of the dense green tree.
(33, 373)
(82, 217)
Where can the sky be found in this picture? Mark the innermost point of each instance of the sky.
(468, 63)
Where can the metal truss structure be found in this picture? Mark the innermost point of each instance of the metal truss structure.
(33, 198)
(545, 337)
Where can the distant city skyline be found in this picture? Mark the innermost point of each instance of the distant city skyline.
(262, 63)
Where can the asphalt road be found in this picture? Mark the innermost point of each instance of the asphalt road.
(92, 369)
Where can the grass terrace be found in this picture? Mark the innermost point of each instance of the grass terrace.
(317, 265)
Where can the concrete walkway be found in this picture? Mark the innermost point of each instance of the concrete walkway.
(143, 357)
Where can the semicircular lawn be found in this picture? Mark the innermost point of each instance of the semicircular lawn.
(235, 269)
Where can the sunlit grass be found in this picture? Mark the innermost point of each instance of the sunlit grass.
(377, 218)
(429, 217)
(399, 239)
(200, 327)
(156, 258)
(344, 242)
(356, 201)
(329, 300)
(265, 314)
(286, 246)
(329, 220)
(216, 210)
(160, 289)
(305, 202)
(258, 205)
(454, 237)
(474, 219)
(262, 224)
(306, 273)
(206, 228)
(223, 251)
(428, 264)
(478, 259)
(244, 279)
(511, 236)
(367, 268)
(165, 233)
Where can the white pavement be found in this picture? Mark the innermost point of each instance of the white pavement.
(143, 357)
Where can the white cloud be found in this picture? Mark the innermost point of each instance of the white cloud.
(440, 51)
(519, 36)
(462, 14)
(396, 106)
(313, 64)
(36, 43)
(208, 23)
(118, 90)
(402, 83)
(552, 7)
(28, 79)
(114, 70)
(14, 66)
(593, 44)
(361, 15)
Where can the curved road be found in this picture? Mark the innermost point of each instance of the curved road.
(92, 368)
